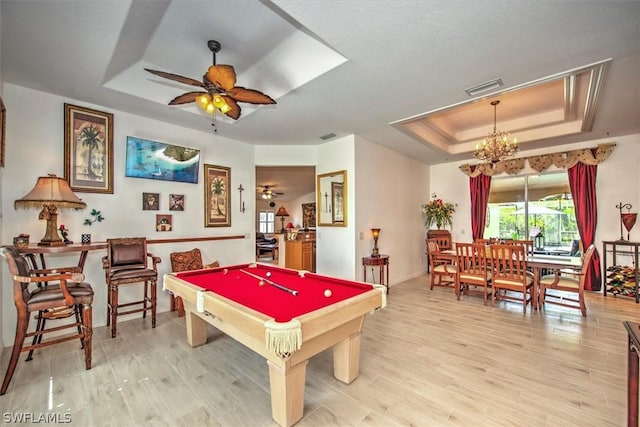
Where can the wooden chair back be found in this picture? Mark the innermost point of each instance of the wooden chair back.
(509, 273)
(471, 260)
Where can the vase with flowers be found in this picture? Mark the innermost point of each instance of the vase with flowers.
(438, 212)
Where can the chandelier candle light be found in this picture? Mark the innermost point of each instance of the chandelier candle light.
(497, 145)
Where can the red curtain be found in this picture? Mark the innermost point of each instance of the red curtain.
(582, 179)
(479, 189)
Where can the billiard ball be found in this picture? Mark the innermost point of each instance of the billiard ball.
(327, 293)
(268, 274)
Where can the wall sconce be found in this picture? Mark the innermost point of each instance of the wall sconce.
(375, 232)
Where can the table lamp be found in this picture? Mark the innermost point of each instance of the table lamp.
(50, 193)
(376, 233)
(282, 212)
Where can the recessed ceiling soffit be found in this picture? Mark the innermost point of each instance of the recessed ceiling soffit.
(554, 106)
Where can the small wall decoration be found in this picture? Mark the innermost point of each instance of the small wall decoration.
(308, 215)
(157, 160)
(164, 222)
(150, 201)
(3, 118)
(217, 198)
(88, 149)
(338, 201)
(176, 202)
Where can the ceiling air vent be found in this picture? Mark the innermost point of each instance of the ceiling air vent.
(483, 87)
(328, 136)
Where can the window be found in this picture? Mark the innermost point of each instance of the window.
(266, 221)
(533, 207)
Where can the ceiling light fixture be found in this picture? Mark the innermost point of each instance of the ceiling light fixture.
(497, 145)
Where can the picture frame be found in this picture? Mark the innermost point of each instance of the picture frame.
(164, 222)
(337, 198)
(150, 201)
(176, 202)
(309, 215)
(88, 149)
(217, 197)
(161, 161)
(3, 119)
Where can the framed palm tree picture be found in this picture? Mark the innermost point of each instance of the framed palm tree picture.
(217, 197)
(88, 149)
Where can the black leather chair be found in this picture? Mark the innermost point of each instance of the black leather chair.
(44, 292)
(128, 262)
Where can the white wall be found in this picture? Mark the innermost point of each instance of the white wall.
(35, 147)
(335, 246)
(390, 189)
(617, 181)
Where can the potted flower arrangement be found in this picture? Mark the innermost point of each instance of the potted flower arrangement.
(438, 212)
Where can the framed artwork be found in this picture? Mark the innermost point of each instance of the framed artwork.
(150, 201)
(217, 198)
(3, 144)
(88, 149)
(164, 222)
(309, 215)
(157, 160)
(176, 202)
(337, 198)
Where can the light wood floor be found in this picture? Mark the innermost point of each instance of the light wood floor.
(427, 360)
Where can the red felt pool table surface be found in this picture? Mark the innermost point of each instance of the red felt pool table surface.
(238, 283)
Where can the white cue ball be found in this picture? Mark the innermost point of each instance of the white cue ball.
(268, 274)
(327, 293)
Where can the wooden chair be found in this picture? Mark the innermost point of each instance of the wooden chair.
(126, 263)
(509, 274)
(440, 267)
(185, 261)
(571, 281)
(54, 289)
(471, 260)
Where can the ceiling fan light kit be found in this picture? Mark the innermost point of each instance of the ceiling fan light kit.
(220, 90)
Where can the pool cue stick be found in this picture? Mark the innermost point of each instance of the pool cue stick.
(274, 284)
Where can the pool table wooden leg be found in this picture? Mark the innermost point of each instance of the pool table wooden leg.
(196, 329)
(346, 359)
(287, 392)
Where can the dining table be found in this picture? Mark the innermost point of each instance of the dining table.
(538, 264)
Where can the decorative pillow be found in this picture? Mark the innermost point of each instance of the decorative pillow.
(184, 261)
(214, 264)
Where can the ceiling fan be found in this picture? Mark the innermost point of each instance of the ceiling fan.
(268, 193)
(219, 90)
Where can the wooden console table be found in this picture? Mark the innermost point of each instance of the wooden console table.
(84, 249)
(382, 262)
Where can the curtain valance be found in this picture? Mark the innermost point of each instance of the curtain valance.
(565, 160)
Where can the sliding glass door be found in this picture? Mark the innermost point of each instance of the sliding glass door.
(533, 207)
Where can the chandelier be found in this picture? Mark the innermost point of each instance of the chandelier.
(497, 145)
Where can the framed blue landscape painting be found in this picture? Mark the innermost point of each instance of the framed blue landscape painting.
(157, 160)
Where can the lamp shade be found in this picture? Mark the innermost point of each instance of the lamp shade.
(50, 190)
(282, 211)
(289, 225)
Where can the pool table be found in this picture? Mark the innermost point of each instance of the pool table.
(285, 315)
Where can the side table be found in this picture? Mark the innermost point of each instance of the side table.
(382, 262)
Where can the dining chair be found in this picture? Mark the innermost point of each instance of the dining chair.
(185, 261)
(472, 270)
(441, 267)
(51, 289)
(509, 274)
(567, 282)
(128, 262)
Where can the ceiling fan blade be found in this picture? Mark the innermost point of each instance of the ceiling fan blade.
(250, 96)
(222, 76)
(176, 77)
(235, 110)
(185, 98)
